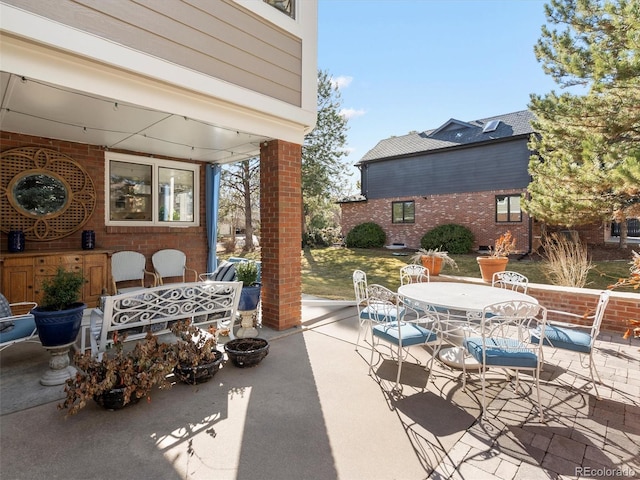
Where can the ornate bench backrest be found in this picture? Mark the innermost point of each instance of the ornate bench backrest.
(137, 312)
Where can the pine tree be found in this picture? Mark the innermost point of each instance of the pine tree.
(587, 162)
(324, 174)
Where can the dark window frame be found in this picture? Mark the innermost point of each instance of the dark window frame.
(510, 213)
(404, 204)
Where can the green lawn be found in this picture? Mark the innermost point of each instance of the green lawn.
(326, 272)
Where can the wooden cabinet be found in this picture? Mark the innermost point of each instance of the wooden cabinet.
(22, 274)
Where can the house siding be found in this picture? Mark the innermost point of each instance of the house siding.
(488, 167)
(218, 38)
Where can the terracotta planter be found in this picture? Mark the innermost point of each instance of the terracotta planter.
(434, 264)
(491, 265)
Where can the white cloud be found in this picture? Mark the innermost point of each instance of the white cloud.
(351, 113)
(341, 82)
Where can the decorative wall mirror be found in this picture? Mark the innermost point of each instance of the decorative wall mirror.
(45, 193)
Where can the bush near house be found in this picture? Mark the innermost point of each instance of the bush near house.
(366, 235)
(453, 238)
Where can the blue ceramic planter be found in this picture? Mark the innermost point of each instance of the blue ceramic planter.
(58, 327)
(249, 298)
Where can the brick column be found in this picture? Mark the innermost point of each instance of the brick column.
(281, 233)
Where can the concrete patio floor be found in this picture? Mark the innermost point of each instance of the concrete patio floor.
(311, 410)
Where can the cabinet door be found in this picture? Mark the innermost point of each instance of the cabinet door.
(96, 274)
(17, 280)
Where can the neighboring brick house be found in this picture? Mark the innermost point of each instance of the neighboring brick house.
(469, 173)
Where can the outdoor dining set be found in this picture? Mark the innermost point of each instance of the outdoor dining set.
(471, 327)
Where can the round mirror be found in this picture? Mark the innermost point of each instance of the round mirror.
(40, 194)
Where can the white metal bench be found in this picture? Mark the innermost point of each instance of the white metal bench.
(153, 309)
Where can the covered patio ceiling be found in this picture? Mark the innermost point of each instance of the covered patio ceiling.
(37, 108)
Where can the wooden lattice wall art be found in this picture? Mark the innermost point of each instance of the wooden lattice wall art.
(71, 209)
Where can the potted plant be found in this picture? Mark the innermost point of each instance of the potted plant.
(498, 257)
(247, 273)
(121, 378)
(59, 314)
(198, 358)
(433, 259)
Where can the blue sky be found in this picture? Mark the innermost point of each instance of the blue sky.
(408, 65)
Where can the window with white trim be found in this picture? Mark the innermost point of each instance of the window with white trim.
(142, 191)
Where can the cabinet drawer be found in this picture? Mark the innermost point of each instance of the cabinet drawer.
(56, 260)
(50, 270)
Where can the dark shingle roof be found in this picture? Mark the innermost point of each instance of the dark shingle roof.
(452, 133)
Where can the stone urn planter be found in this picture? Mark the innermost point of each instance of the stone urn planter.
(246, 352)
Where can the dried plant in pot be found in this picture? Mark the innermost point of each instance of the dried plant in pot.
(120, 377)
(498, 258)
(198, 358)
(433, 259)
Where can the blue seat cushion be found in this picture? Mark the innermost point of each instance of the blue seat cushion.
(21, 328)
(502, 352)
(412, 334)
(565, 338)
(382, 314)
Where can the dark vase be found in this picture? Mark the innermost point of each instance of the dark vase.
(200, 373)
(88, 239)
(246, 352)
(114, 399)
(249, 298)
(58, 327)
(16, 241)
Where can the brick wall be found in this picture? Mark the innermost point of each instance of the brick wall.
(146, 240)
(623, 306)
(473, 210)
(476, 211)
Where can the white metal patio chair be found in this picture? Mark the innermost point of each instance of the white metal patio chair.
(511, 280)
(16, 328)
(129, 266)
(389, 323)
(572, 336)
(503, 342)
(171, 263)
(414, 274)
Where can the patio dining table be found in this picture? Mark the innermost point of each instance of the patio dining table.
(457, 303)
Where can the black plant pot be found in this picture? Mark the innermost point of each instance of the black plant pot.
(58, 327)
(246, 352)
(114, 399)
(200, 373)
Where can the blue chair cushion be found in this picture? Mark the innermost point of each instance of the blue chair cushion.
(382, 315)
(412, 334)
(501, 352)
(21, 328)
(565, 338)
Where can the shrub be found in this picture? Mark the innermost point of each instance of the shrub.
(321, 237)
(366, 235)
(450, 237)
(566, 261)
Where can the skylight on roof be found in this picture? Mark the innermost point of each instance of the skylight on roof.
(491, 126)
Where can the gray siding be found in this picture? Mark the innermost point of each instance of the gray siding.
(215, 37)
(496, 166)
